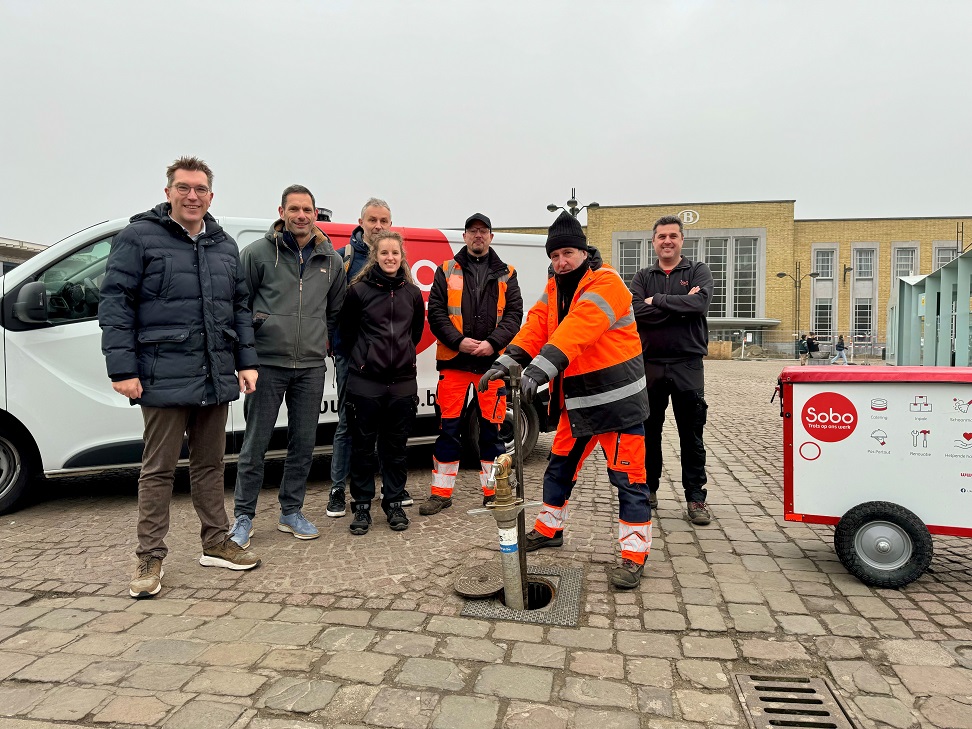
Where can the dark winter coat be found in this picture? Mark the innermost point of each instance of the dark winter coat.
(354, 256)
(478, 314)
(381, 325)
(174, 312)
(295, 314)
(673, 326)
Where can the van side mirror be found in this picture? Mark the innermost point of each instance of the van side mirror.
(31, 304)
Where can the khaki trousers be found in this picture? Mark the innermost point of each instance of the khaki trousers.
(165, 429)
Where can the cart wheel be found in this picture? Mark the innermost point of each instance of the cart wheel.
(883, 544)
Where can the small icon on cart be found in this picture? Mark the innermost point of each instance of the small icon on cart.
(965, 442)
(879, 404)
(961, 405)
(809, 451)
(923, 434)
(920, 405)
(880, 436)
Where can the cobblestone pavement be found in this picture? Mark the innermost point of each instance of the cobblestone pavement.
(365, 631)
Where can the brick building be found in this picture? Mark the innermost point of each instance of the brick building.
(746, 244)
(14, 252)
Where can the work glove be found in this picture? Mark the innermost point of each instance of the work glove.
(528, 388)
(495, 372)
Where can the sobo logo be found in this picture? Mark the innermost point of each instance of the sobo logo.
(829, 417)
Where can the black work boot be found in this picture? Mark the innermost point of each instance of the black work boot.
(396, 517)
(490, 499)
(627, 575)
(362, 519)
(434, 504)
(534, 540)
(653, 499)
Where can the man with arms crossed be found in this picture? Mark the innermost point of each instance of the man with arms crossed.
(297, 285)
(178, 341)
(670, 300)
(375, 217)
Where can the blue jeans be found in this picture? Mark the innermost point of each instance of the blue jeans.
(840, 355)
(303, 390)
(341, 456)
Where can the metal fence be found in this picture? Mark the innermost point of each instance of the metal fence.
(762, 344)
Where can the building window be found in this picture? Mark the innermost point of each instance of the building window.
(864, 263)
(823, 263)
(717, 258)
(690, 249)
(905, 262)
(629, 259)
(823, 318)
(744, 253)
(944, 255)
(862, 322)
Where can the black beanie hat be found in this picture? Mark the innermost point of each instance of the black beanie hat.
(565, 232)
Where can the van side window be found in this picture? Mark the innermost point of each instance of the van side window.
(73, 284)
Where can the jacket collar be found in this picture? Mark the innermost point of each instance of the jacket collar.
(322, 244)
(493, 260)
(161, 215)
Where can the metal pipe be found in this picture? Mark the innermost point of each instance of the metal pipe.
(506, 510)
(516, 372)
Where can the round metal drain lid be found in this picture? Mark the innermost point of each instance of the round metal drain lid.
(479, 581)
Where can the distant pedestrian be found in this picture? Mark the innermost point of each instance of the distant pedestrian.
(812, 345)
(839, 348)
(177, 335)
(803, 349)
(381, 326)
(297, 287)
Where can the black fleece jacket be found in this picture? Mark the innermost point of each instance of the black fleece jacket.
(673, 327)
(381, 325)
(478, 314)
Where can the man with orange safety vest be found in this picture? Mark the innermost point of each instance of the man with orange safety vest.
(582, 339)
(475, 309)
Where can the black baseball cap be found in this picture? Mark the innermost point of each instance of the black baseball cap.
(481, 218)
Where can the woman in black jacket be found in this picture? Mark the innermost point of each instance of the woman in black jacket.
(381, 325)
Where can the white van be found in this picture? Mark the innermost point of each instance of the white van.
(58, 413)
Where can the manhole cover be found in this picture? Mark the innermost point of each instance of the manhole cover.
(564, 609)
(479, 581)
(791, 701)
(961, 650)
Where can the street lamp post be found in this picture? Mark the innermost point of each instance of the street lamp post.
(572, 207)
(797, 281)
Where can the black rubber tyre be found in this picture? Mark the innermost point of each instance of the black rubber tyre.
(883, 544)
(15, 470)
(530, 422)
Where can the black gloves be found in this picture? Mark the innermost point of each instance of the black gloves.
(495, 372)
(528, 388)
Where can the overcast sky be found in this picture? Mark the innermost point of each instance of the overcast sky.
(448, 107)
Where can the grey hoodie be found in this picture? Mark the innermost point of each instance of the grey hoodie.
(294, 315)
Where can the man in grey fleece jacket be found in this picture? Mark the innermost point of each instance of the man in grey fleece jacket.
(297, 286)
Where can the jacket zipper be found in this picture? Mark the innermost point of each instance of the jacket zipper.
(300, 301)
(155, 361)
(495, 408)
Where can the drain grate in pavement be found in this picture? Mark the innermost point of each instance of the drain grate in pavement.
(791, 701)
(563, 609)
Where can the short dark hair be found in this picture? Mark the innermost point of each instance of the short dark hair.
(190, 164)
(667, 220)
(296, 190)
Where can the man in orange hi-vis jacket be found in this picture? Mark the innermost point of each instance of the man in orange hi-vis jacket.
(582, 339)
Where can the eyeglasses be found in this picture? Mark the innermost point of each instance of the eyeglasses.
(477, 231)
(183, 189)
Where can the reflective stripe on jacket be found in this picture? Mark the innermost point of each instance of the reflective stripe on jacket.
(596, 348)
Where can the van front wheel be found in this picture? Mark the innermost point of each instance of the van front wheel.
(14, 471)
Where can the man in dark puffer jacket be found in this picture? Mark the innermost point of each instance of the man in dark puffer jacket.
(176, 329)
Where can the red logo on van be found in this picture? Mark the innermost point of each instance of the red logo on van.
(829, 417)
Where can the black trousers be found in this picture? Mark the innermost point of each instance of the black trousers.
(683, 384)
(386, 420)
